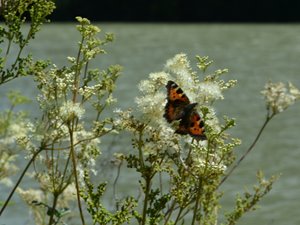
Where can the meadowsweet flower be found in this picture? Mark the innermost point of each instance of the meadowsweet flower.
(178, 65)
(88, 91)
(17, 131)
(71, 59)
(124, 121)
(152, 107)
(7, 167)
(71, 110)
(87, 151)
(45, 180)
(6, 181)
(153, 94)
(212, 120)
(30, 195)
(278, 97)
(152, 100)
(209, 92)
(294, 91)
(110, 100)
(155, 81)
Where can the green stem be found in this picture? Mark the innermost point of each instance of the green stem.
(84, 81)
(75, 173)
(51, 219)
(178, 215)
(148, 185)
(8, 47)
(116, 180)
(199, 192)
(269, 117)
(169, 212)
(197, 203)
(140, 143)
(77, 73)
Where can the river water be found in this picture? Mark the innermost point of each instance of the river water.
(253, 53)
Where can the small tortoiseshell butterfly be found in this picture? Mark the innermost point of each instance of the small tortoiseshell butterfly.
(179, 107)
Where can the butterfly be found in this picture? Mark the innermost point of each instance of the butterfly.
(179, 107)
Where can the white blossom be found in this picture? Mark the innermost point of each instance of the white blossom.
(209, 91)
(179, 65)
(70, 110)
(278, 97)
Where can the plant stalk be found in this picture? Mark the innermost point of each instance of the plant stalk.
(269, 117)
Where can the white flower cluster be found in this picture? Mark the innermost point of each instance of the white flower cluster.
(153, 99)
(279, 97)
(160, 134)
(71, 110)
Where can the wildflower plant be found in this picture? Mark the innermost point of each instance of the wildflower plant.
(67, 146)
(180, 176)
(60, 145)
(12, 34)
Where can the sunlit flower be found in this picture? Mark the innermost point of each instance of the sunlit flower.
(7, 182)
(152, 100)
(71, 110)
(125, 120)
(110, 100)
(179, 65)
(152, 107)
(30, 195)
(209, 91)
(212, 120)
(7, 167)
(294, 91)
(155, 81)
(278, 97)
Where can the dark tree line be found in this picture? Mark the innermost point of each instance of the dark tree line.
(179, 10)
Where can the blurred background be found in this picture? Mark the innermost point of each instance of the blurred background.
(256, 40)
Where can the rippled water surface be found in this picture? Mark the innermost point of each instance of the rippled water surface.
(254, 54)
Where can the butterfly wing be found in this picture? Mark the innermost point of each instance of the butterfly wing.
(178, 107)
(191, 123)
(175, 93)
(177, 101)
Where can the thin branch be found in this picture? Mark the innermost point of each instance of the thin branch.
(73, 157)
(269, 117)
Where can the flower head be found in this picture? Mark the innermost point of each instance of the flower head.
(71, 110)
(279, 97)
(178, 65)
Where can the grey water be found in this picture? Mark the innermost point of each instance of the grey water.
(253, 53)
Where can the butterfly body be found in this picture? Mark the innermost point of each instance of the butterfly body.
(178, 107)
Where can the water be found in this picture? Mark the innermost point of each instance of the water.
(253, 54)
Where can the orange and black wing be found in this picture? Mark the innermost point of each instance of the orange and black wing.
(176, 102)
(175, 93)
(193, 125)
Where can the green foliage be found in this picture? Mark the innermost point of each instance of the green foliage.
(193, 169)
(95, 207)
(249, 200)
(15, 14)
